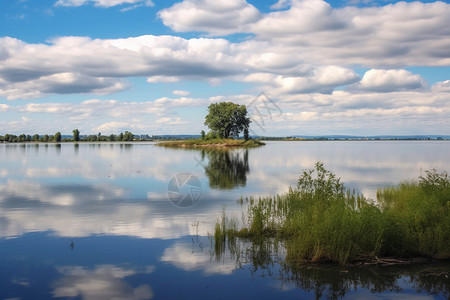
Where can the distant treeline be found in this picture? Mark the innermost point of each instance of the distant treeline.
(57, 138)
(355, 138)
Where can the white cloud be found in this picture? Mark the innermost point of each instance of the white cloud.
(281, 4)
(98, 66)
(114, 127)
(170, 121)
(62, 83)
(393, 35)
(180, 93)
(300, 54)
(376, 80)
(216, 17)
(106, 116)
(443, 86)
(320, 80)
(157, 79)
(102, 3)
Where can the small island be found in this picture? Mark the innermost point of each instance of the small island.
(213, 143)
(226, 120)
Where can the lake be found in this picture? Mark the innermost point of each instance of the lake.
(133, 220)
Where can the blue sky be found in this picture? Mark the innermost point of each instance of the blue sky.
(153, 67)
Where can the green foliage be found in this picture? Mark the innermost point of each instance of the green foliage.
(76, 135)
(57, 137)
(128, 136)
(227, 119)
(418, 216)
(203, 134)
(321, 221)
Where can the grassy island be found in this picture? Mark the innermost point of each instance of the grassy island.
(212, 143)
(321, 221)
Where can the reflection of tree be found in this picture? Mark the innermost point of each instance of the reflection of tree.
(264, 257)
(226, 169)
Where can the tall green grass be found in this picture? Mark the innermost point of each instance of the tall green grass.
(320, 220)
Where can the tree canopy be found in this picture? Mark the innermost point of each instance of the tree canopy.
(76, 135)
(227, 119)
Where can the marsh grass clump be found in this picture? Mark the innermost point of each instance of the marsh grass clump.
(320, 220)
(417, 216)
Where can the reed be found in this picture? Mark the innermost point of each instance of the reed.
(322, 221)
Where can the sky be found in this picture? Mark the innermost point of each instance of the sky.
(302, 67)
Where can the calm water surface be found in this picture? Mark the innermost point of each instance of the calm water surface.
(131, 221)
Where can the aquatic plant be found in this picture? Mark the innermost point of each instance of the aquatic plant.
(320, 220)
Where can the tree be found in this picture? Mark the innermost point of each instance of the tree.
(203, 134)
(76, 135)
(128, 136)
(246, 134)
(22, 138)
(58, 137)
(227, 119)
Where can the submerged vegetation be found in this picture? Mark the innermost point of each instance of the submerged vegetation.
(321, 221)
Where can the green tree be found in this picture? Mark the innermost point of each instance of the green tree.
(112, 138)
(76, 135)
(36, 138)
(227, 119)
(203, 134)
(57, 137)
(246, 137)
(22, 138)
(128, 136)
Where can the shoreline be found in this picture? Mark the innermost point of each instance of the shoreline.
(216, 143)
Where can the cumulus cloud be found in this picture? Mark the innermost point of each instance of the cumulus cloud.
(281, 4)
(290, 44)
(392, 35)
(4, 107)
(396, 34)
(99, 66)
(180, 93)
(320, 80)
(384, 81)
(102, 3)
(443, 86)
(211, 16)
(106, 116)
